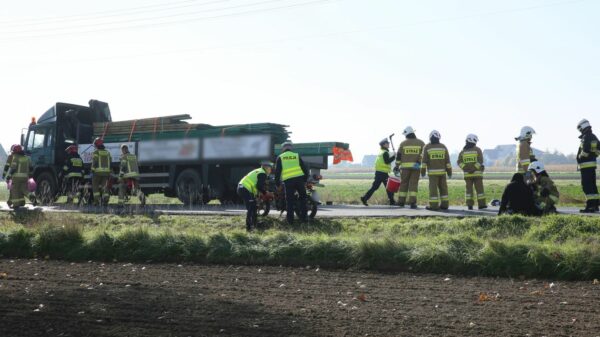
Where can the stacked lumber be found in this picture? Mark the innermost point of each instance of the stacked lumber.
(174, 127)
(147, 125)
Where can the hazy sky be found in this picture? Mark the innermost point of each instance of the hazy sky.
(345, 70)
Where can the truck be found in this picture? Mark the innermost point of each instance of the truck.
(195, 163)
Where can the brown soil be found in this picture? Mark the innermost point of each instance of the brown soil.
(46, 298)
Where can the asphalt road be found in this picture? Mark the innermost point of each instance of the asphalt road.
(323, 212)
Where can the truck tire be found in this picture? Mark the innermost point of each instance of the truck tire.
(188, 187)
(47, 189)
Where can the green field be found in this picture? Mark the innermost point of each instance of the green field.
(349, 191)
(557, 247)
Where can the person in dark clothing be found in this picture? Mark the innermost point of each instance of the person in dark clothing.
(586, 162)
(290, 170)
(383, 166)
(253, 184)
(518, 198)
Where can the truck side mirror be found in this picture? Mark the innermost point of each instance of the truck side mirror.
(23, 140)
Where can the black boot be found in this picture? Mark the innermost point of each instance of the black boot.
(364, 201)
(413, 205)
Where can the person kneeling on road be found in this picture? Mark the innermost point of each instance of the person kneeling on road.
(383, 166)
(518, 198)
(249, 187)
(129, 176)
(544, 190)
(290, 170)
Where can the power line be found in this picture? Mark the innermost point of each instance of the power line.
(324, 35)
(52, 19)
(242, 13)
(128, 21)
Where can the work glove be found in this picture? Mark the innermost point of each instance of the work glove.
(396, 170)
(422, 174)
(482, 168)
(417, 166)
(545, 193)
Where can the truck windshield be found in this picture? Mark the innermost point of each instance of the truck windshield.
(35, 140)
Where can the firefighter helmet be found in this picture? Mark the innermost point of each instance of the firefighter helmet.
(435, 134)
(471, 138)
(98, 142)
(17, 148)
(536, 166)
(526, 133)
(583, 124)
(72, 149)
(408, 130)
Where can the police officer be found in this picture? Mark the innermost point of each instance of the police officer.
(20, 171)
(524, 151)
(249, 187)
(290, 170)
(129, 171)
(470, 160)
(101, 160)
(586, 161)
(72, 173)
(436, 163)
(545, 193)
(382, 169)
(408, 160)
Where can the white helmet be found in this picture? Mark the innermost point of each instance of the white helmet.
(408, 130)
(536, 166)
(526, 133)
(583, 124)
(471, 138)
(436, 134)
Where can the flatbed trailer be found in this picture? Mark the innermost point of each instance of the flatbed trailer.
(194, 162)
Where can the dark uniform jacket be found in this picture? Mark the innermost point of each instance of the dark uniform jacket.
(518, 197)
(588, 150)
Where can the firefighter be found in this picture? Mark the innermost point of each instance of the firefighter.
(253, 184)
(129, 172)
(436, 163)
(382, 169)
(470, 160)
(8, 161)
(73, 173)
(524, 151)
(517, 198)
(586, 162)
(290, 170)
(20, 171)
(544, 190)
(101, 160)
(408, 161)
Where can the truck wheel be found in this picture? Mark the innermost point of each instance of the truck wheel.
(47, 189)
(189, 187)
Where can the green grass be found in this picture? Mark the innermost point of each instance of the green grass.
(349, 191)
(561, 247)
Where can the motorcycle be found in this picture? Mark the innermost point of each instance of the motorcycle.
(277, 197)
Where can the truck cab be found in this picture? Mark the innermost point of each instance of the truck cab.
(47, 138)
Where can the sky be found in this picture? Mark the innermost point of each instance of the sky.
(352, 71)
